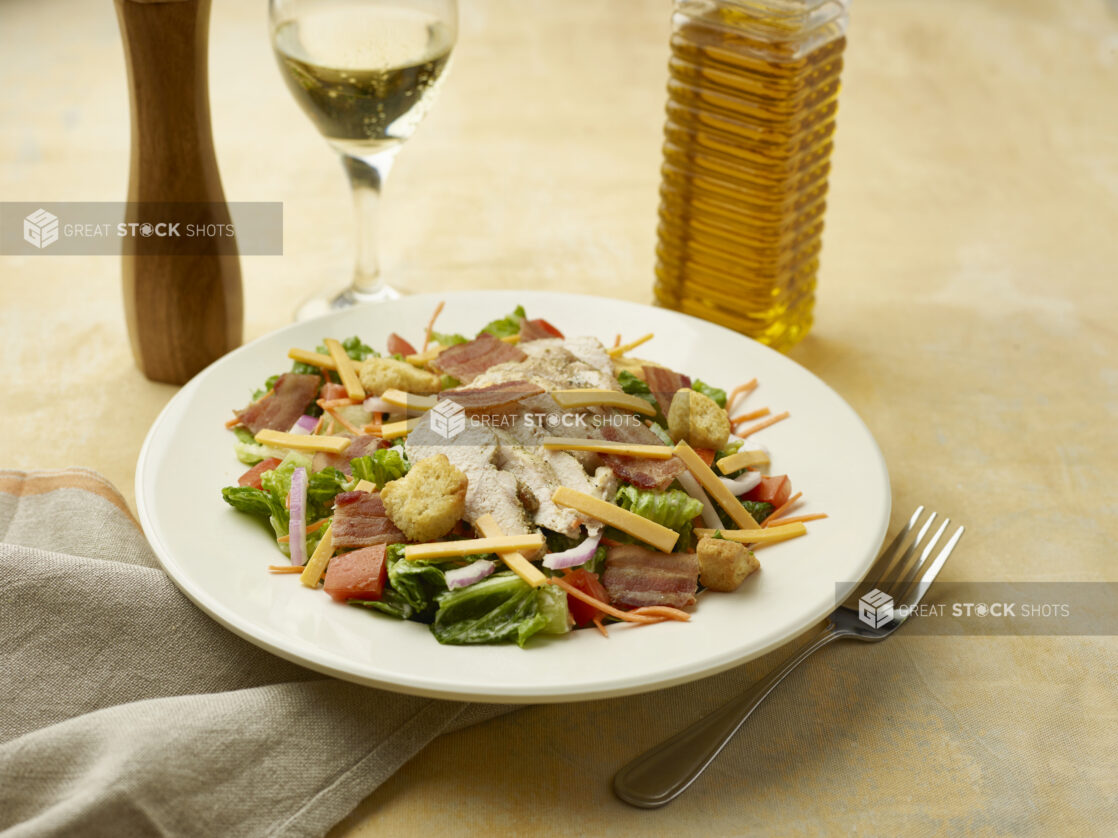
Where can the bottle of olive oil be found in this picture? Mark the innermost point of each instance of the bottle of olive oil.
(752, 97)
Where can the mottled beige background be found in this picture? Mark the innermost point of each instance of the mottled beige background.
(967, 310)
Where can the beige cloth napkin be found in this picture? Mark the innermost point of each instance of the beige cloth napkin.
(127, 711)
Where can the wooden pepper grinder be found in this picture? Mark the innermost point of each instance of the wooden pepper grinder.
(184, 307)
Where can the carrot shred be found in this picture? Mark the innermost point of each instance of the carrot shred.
(232, 423)
(665, 611)
(345, 423)
(740, 390)
(753, 414)
(796, 519)
(617, 340)
(601, 626)
(285, 568)
(706, 455)
(328, 403)
(333, 425)
(431, 325)
(627, 616)
(318, 424)
(764, 423)
(780, 510)
(609, 542)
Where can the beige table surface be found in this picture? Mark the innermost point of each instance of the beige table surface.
(967, 310)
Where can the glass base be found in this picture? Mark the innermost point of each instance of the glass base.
(320, 305)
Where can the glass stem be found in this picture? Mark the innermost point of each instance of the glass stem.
(366, 177)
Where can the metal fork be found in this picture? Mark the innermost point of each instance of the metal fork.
(661, 774)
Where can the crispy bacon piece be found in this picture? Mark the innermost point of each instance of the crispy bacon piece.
(637, 577)
(358, 575)
(469, 360)
(640, 471)
(361, 521)
(361, 446)
(288, 401)
(537, 329)
(492, 398)
(663, 383)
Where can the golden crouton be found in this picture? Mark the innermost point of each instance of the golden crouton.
(428, 501)
(698, 419)
(723, 565)
(380, 374)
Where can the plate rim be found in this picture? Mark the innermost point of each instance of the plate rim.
(499, 695)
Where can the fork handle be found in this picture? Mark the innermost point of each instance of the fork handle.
(661, 774)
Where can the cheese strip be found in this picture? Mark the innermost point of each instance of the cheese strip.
(513, 339)
(770, 535)
(608, 398)
(315, 359)
(618, 351)
(742, 459)
(420, 359)
(715, 487)
(346, 371)
(409, 400)
(312, 573)
(365, 486)
(659, 536)
(393, 430)
(470, 546)
(304, 442)
(487, 525)
(604, 446)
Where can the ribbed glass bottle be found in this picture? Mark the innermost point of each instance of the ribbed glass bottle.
(752, 96)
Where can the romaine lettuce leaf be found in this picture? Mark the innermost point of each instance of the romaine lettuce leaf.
(383, 466)
(716, 394)
(249, 451)
(249, 500)
(494, 610)
(445, 339)
(672, 508)
(552, 603)
(418, 583)
(506, 326)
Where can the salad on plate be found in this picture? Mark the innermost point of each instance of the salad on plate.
(513, 484)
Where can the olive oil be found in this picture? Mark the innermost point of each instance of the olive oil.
(752, 103)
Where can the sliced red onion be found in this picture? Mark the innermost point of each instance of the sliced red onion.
(297, 528)
(742, 484)
(691, 486)
(304, 425)
(460, 577)
(579, 554)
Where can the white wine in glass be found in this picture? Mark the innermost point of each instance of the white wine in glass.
(365, 72)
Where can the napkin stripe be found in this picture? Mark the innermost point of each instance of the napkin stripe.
(27, 483)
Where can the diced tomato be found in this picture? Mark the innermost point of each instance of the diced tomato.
(706, 455)
(774, 490)
(252, 476)
(358, 575)
(331, 391)
(397, 345)
(587, 582)
(547, 327)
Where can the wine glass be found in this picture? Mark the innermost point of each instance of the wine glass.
(365, 72)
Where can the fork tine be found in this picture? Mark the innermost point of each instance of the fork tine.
(902, 565)
(906, 583)
(877, 570)
(933, 570)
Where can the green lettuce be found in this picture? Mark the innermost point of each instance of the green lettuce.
(417, 583)
(251, 501)
(249, 451)
(354, 348)
(383, 466)
(552, 603)
(495, 610)
(758, 509)
(506, 326)
(716, 394)
(444, 339)
(672, 508)
(635, 387)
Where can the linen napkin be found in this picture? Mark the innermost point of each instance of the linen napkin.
(127, 711)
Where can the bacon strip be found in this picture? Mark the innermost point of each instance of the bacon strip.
(360, 521)
(638, 577)
(663, 383)
(361, 446)
(290, 398)
(640, 471)
(492, 397)
(469, 360)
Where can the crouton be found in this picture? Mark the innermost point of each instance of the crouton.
(698, 419)
(723, 565)
(380, 374)
(428, 501)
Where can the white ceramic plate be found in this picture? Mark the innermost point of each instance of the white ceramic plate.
(218, 557)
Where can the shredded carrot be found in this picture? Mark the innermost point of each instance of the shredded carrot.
(431, 325)
(617, 340)
(753, 414)
(328, 403)
(333, 425)
(627, 616)
(232, 423)
(609, 542)
(285, 568)
(740, 390)
(665, 611)
(764, 423)
(601, 626)
(706, 455)
(345, 423)
(780, 510)
(776, 522)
